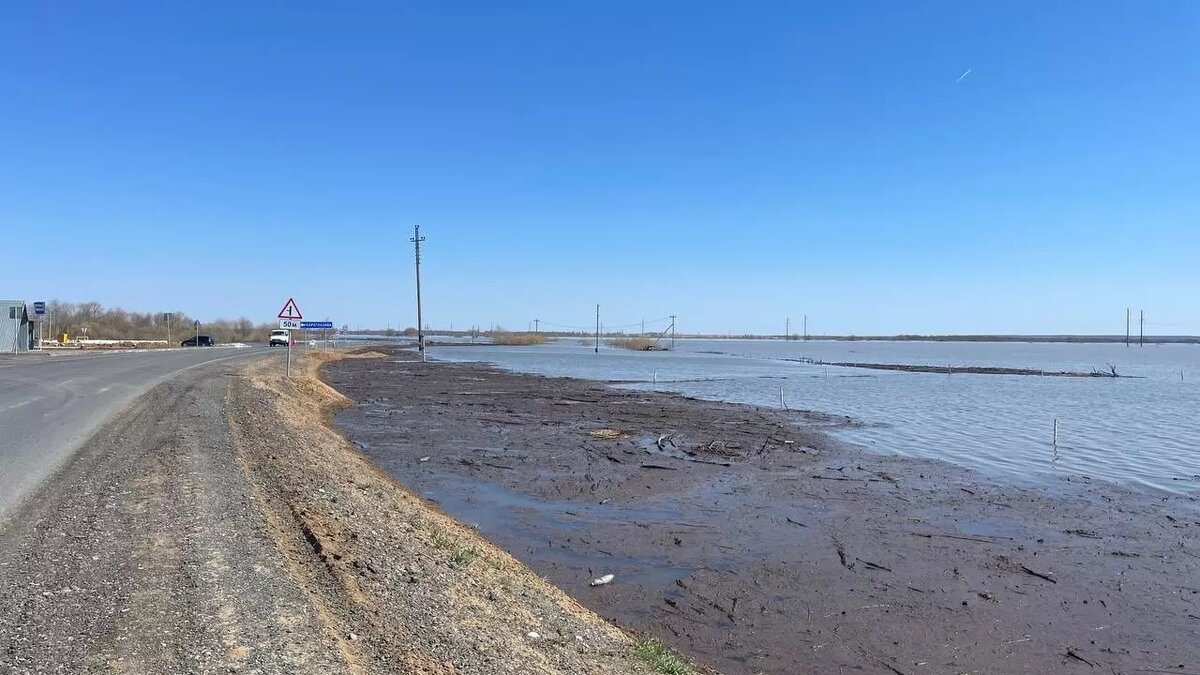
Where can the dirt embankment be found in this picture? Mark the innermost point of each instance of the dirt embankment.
(401, 586)
(749, 540)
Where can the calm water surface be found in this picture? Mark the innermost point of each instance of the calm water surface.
(1142, 431)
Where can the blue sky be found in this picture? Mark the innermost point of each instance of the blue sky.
(731, 163)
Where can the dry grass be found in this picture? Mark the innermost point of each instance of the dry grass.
(503, 337)
(609, 434)
(635, 343)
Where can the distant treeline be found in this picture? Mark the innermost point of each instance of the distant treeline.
(114, 323)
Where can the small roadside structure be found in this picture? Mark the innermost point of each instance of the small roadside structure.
(17, 332)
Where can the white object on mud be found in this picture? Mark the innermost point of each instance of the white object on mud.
(606, 579)
(424, 459)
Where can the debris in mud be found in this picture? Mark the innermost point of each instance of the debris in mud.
(841, 553)
(601, 581)
(1039, 575)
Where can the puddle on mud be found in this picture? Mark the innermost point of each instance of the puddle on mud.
(569, 540)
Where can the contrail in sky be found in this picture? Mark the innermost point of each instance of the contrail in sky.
(963, 76)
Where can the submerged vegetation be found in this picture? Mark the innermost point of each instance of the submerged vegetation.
(503, 337)
(635, 343)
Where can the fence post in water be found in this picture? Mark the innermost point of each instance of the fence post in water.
(782, 403)
(1055, 441)
(656, 377)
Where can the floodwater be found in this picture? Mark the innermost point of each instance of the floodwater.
(1142, 430)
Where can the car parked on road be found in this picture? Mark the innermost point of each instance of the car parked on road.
(198, 341)
(279, 337)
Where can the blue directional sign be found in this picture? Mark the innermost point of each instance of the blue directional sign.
(39, 308)
(306, 325)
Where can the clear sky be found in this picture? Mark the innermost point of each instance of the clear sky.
(733, 163)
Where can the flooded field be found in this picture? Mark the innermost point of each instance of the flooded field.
(1142, 430)
(753, 541)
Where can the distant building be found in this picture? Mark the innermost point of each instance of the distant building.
(17, 333)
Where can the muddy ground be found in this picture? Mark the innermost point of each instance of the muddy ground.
(750, 540)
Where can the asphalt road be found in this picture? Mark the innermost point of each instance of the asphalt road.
(51, 404)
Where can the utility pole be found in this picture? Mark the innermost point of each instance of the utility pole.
(1141, 328)
(597, 329)
(416, 240)
(643, 327)
(672, 332)
(168, 316)
(787, 329)
(537, 325)
(1126, 326)
(806, 328)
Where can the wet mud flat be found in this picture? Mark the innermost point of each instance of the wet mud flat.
(751, 541)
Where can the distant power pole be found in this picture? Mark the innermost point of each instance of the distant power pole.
(167, 315)
(416, 240)
(787, 329)
(1126, 326)
(672, 332)
(643, 328)
(536, 326)
(806, 328)
(1141, 328)
(597, 329)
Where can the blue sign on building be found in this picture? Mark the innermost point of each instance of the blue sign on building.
(39, 308)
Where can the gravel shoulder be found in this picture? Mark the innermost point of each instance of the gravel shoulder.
(145, 554)
(220, 525)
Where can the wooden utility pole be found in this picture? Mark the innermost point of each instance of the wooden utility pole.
(537, 325)
(672, 332)
(787, 329)
(806, 328)
(1126, 326)
(1141, 328)
(416, 240)
(597, 329)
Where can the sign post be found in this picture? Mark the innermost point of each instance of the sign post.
(196, 328)
(39, 309)
(290, 318)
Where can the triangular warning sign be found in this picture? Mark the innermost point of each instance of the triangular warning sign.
(290, 311)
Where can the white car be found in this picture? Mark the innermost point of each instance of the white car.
(279, 338)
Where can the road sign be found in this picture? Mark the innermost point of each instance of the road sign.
(39, 308)
(290, 311)
(308, 325)
(289, 324)
(196, 323)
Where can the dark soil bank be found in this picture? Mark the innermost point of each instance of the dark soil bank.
(749, 540)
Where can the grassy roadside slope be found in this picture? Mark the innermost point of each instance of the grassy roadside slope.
(400, 586)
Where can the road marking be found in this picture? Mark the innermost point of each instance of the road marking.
(19, 405)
